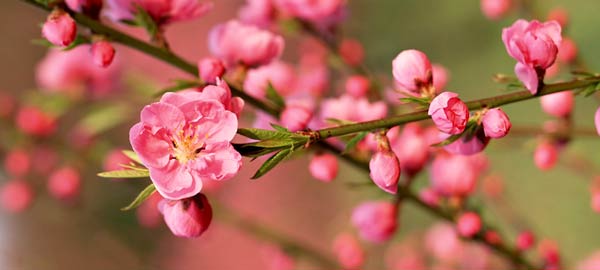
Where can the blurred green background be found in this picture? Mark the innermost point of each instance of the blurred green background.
(96, 235)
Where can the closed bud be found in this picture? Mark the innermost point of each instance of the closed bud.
(64, 184)
(495, 9)
(375, 221)
(525, 240)
(188, 217)
(412, 71)
(560, 15)
(352, 52)
(449, 113)
(357, 86)
(468, 224)
(545, 155)
(496, 123)
(60, 29)
(295, 117)
(385, 170)
(558, 104)
(103, 53)
(323, 167)
(33, 121)
(17, 162)
(15, 196)
(210, 69)
(595, 202)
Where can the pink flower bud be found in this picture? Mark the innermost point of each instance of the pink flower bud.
(323, 167)
(60, 29)
(429, 196)
(261, 13)
(595, 202)
(567, 52)
(440, 77)
(17, 162)
(597, 120)
(469, 144)
(535, 46)
(560, 15)
(496, 123)
(411, 148)
(64, 183)
(492, 237)
(235, 42)
(453, 175)
(348, 251)
(468, 224)
(188, 217)
(295, 117)
(279, 74)
(33, 121)
(412, 71)
(115, 159)
(405, 256)
(15, 196)
(559, 104)
(89, 7)
(449, 113)
(495, 9)
(103, 53)
(357, 86)
(545, 155)
(385, 170)
(352, 52)
(375, 221)
(548, 250)
(210, 69)
(525, 240)
(443, 243)
(147, 213)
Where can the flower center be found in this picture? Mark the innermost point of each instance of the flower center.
(186, 146)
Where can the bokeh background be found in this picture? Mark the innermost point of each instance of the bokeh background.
(94, 234)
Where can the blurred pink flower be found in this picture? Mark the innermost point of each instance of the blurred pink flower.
(440, 77)
(496, 123)
(279, 74)
(454, 175)
(545, 155)
(17, 162)
(348, 251)
(375, 220)
(357, 86)
(295, 117)
(33, 121)
(468, 224)
(349, 108)
(209, 69)
(261, 13)
(189, 217)
(162, 11)
(324, 167)
(64, 183)
(495, 9)
(352, 52)
(559, 104)
(16, 196)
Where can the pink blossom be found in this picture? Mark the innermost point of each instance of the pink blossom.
(60, 29)
(595, 201)
(525, 240)
(348, 251)
(103, 53)
(559, 15)
(496, 123)
(261, 13)
(412, 71)
(220, 92)
(189, 217)
(323, 167)
(316, 11)
(74, 71)
(115, 159)
(235, 42)
(559, 104)
(184, 140)
(535, 46)
(440, 77)
(495, 9)
(15, 196)
(279, 74)
(64, 183)
(443, 243)
(295, 117)
(162, 11)
(375, 221)
(357, 86)
(352, 52)
(567, 51)
(591, 262)
(597, 120)
(453, 175)
(209, 69)
(545, 155)
(492, 237)
(548, 250)
(353, 109)
(412, 148)
(449, 113)
(33, 121)
(429, 196)
(468, 224)
(17, 162)
(384, 170)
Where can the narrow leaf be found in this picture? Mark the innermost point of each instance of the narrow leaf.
(143, 19)
(141, 173)
(279, 128)
(354, 141)
(140, 198)
(272, 162)
(133, 156)
(588, 91)
(262, 134)
(273, 96)
(420, 101)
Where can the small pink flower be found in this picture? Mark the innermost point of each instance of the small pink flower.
(449, 113)
(348, 251)
(184, 140)
(352, 52)
(429, 196)
(353, 109)
(412, 71)
(32, 121)
(279, 74)
(89, 7)
(16, 196)
(261, 13)
(453, 175)
(384, 170)
(496, 123)
(188, 217)
(60, 29)
(468, 224)
(321, 11)
(210, 69)
(17, 162)
(525, 240)
(535, 46)
(597, 120)
(148, 214)
(323, 167)
(375, 221)
(357, 86)
(443, 243)
(567, 51)
(440, 77)
(64, 183)
(234, 42)
(295, 117)
(103, 53)
(545, 155)
(559, 15)
(495, 9)
(559, 104)
(162, 11)
(412, 148)
(115, 159)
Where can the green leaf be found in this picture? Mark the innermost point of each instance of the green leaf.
(279, 128)
(263, 134)
(354, 141)
(272, 162)
(133, 156)
(249, 150)
(140, 198)
(129, 173)
(588, 91)
(273, 96)
(143, 19)
(104, 118)
(42, 42)
(179, 85)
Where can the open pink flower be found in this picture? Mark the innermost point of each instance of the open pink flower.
(412, 71)
(449, 113)
(535, 46)
(161, 11)
(184, 140)
(454, 175)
